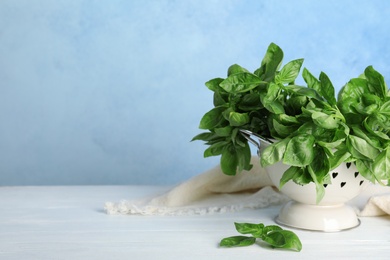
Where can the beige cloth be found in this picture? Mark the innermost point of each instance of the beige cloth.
(214, 192)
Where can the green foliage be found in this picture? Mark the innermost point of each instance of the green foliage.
(273, 235)
(313, 131)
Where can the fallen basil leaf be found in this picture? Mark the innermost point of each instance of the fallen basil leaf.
(236, 241)
(255, 230)
(284, 239)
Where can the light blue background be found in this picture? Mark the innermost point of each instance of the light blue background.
(111, 92)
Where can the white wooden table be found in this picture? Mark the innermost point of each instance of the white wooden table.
(70, 223)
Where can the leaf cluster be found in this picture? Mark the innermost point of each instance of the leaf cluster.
(313, 131)
(273, 235)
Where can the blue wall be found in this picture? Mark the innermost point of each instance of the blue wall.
(111, 92)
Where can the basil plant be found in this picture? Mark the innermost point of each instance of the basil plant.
(314, 131)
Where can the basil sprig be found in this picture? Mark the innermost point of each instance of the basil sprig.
(273, 235)
(313, 131)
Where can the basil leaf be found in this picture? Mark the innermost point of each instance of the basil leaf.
(354, 89)
(206, 136)
(289, 72)
(286, 119)
(340, 156)
(327, 89)
(240, 82)
(303, 91)
(238, 119)
(311, 81)
(282, 130)
(220, 99)
(365, 169)
(224, 131)
(235, 68)
(244, 157)
(382, 166)
(215, 149)
(213, 84)
(325, 121)
(295, 104)
(237, 241)
(250, 102)
(304, 178)
(270, 228)
(376, 81)
(212, 119)
(299, 150)
(229, 160)
(372, 140)
(270, 63)
(255, 230)
(290, 174)
(284, 239)
(273, 153)
(271, 101)
(319, 171)
(358, 146)
(385, 108)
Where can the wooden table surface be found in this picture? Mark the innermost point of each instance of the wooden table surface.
(69, 222)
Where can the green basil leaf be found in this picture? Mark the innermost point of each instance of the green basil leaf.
(327, 89)
(365, 110)
(255, 230)
(238, 119)
(320, 189)
(289, 72)
(354, 90)
(271, 99)
(318, 132)
(206, 136)
(338, 157)
(376, 82)
(287, 120)
(371, 139)
(237, 241)
(244, 157)
(303, 91)
(273, 153)
(299, 150)
(381, 166)
(319, 170)
(295, 104)
(284, 239)
(224, 131)
(304, 178)
(365, 169)
(385, 108)
(250, 102)
(212, 119)
(282, 130)
(311, 81)
(240, 82)
(324, 120)
(270, 228)
(235, 68)
(320, 165)
(229, 160)
(220, 99)
(290, 174)
(213, 84)
(370, 99)
(358, 146)
(215, 149)
(270, 63)
(372, 123)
